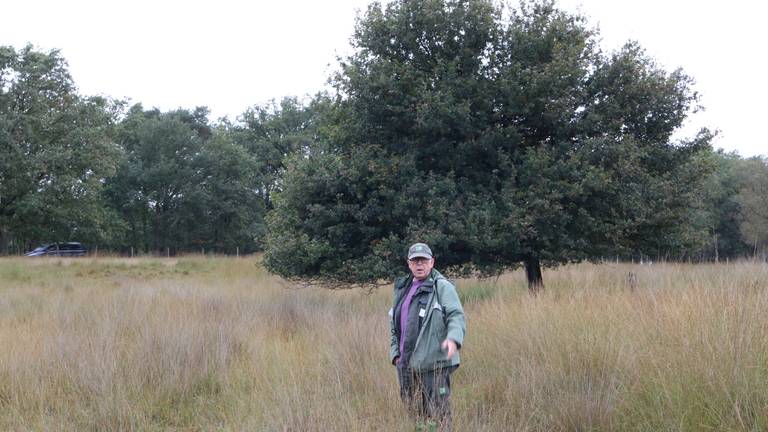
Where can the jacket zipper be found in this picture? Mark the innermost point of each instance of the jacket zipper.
(424, 323)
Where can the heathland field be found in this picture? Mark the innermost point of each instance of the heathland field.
(204, 343)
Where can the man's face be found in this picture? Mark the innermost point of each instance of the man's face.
(420, 267)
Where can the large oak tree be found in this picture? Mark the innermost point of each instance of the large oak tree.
(497, 136)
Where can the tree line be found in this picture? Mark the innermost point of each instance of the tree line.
(119, 177)
(502, 137)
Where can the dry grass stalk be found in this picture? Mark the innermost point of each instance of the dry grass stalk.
(215, 343)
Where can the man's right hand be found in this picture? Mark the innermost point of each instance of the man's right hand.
(396, 360)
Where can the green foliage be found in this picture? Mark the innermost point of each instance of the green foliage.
(228, 213)
(496, 136)
(157, 173)
(272, 132)
(721, 213)
(184, 185)
(56, 150)
(753, 199)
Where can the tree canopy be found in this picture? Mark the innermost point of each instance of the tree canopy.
(502, 137)
(753, 200)
(499, 137)
(55, 150)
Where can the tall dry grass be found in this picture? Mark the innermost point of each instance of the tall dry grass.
(204, 343)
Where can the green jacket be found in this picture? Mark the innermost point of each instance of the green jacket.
(444, 319)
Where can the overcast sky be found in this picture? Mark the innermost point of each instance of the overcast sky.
(229, 55)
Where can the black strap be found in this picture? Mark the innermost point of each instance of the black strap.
(442, 307)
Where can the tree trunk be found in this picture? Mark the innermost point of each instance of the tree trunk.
(533, 274)
(3, 241)
(159, 243)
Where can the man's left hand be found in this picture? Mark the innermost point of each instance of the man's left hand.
(450, 346)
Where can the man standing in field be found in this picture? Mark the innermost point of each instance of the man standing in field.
(427, 327)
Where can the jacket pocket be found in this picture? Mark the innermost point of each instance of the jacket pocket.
(423, 311)
(429, 354)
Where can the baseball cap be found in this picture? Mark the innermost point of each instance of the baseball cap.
(419, 250)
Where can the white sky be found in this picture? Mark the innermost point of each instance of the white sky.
(229, 55)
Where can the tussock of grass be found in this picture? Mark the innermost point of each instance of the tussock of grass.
(478, 292)
(201, 343)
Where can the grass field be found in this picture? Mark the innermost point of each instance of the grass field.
(204, 343)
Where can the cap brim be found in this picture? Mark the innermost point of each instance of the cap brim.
(420, 255)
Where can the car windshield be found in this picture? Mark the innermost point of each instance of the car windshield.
(41, 248)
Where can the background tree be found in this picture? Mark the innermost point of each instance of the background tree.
(227, 212)
(498, 139)
(273, 131)
(721, 210)
(56, 149)
(753, 199)
(157, 175)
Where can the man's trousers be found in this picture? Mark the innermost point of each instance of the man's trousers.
(427, 394)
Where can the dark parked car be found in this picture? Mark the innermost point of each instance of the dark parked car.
(59, 249)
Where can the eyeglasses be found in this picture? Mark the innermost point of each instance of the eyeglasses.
(419, 260)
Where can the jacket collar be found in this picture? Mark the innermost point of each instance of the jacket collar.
(427, 285)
